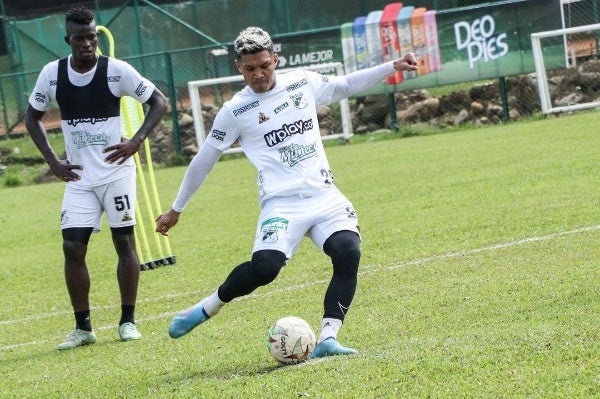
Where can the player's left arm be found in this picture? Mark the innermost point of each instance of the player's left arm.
(358, 81)
(119, 153)
(134, 85)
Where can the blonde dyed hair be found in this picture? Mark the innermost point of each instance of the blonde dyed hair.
(252, 40)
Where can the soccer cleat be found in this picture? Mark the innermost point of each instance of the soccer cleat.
(186, 320)
(77, 338)
(129, 332)
(331, 347)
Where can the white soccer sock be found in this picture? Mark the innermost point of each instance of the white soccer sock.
(329, 329)
(212, 304)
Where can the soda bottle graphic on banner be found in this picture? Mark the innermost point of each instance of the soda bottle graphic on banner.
(373, 41)
(388, 32)
(417, 26)
(385, 35)
(431, 38)
(405, 35)
(360, 43)
(348, 47)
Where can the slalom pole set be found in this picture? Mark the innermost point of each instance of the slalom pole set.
(153, 248)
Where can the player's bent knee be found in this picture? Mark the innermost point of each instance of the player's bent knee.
(266, 265)
(347, 262)
(343, 244)
(344, 249)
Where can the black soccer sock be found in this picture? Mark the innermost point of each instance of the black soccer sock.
(82, 318)
(127, 312)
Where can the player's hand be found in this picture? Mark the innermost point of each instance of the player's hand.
(64, 170)
(408, 62)
(122, 151)
(167, 220)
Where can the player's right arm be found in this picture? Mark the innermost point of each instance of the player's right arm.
(222, 134)
(60, 167)
(38, 104)
(37, 131)
(194, 176)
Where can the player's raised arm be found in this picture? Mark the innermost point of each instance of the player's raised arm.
(363, 79)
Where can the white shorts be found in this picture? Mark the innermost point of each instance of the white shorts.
(283, 221)
(83, 206)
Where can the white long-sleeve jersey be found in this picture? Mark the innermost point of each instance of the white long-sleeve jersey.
(279, 133)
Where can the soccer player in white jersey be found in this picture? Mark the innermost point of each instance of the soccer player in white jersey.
(99, 171)
(275, 121)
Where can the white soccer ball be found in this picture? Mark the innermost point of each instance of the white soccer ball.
(291, 340)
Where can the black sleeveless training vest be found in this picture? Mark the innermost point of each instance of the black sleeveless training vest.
(94, 100)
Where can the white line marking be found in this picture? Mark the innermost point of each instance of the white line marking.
(367, 269)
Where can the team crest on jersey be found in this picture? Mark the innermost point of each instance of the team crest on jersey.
(299, 101)
(262, 118)
(271, 227)
(126, 217)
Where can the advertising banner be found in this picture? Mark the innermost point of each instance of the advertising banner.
(453, 46)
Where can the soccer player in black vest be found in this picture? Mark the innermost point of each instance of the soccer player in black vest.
(99, 172)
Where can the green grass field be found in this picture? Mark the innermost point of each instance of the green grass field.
(479, 279)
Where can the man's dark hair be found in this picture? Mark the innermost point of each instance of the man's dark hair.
(79, 15)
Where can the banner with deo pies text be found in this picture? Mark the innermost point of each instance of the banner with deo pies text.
(453, 46)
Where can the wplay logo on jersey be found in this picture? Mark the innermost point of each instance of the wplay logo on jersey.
(277, 136)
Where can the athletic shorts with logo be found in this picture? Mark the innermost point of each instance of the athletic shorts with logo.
(284, 221)
(83, 206)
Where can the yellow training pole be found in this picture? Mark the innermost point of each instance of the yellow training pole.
(143, 251)
(133, 112)
(132, 116)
